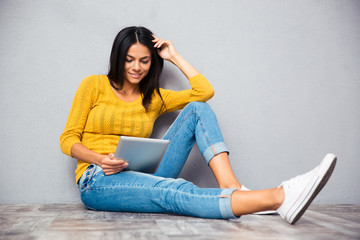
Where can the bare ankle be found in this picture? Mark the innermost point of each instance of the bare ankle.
(279, 198)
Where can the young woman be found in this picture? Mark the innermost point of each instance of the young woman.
(127, 102)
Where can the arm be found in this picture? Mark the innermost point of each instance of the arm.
(108, 163)
(70, 140)
(188, 70)
(201, 90)
(167, 51)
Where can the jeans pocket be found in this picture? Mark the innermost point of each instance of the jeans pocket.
(86, 177)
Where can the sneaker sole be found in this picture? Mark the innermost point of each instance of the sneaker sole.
(326, 169)
(267, 212)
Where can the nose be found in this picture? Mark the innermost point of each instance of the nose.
(136, 66)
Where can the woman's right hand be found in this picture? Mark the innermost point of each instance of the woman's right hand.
(111, 165)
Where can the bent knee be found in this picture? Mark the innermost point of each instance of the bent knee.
(197, 105)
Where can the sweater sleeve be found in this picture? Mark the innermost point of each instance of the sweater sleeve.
(84, 100)
(201, 91)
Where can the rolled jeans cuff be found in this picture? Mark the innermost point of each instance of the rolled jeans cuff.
(213, 150)
(225, 203)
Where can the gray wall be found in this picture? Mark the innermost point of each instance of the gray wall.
(286, 76)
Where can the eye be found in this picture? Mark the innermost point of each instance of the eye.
(145, 62)
(128, 60)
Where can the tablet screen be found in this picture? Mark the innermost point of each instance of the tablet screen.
(143, 154)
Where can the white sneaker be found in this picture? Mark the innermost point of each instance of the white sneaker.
(301, 190)
(267, 212)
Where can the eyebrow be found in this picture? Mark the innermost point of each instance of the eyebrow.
(140, 58)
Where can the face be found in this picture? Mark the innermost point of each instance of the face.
(137, 63)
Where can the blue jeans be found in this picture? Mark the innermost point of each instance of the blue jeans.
(163, 192)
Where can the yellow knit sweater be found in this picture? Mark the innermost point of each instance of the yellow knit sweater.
(98, 117)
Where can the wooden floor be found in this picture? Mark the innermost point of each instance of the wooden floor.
(52, 222)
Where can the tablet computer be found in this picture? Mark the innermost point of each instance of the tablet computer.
(143, 154)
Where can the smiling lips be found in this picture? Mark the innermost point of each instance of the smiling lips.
(135, 75)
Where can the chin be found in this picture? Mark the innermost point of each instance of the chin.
(135, 80)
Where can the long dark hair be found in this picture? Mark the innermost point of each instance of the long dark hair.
(125, 39)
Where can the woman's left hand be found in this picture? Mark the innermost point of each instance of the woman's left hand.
(165, 48)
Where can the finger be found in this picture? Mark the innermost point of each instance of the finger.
(115, 167)
(119, 165)
(166, 43)
(160, 43)
(125, 164)
(112, 162)
(156, 45)
(111, 170)
(155, 38)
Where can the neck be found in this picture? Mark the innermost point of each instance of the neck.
(129, 89)
(129, 92)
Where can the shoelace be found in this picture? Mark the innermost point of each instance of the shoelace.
(300, 178)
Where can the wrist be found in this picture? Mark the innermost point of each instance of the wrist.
(175, 59)
(188, 70)
(98, 159)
